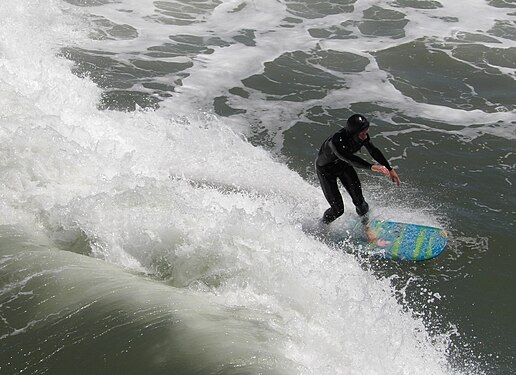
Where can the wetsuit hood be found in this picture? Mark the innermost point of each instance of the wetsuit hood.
(356, 124)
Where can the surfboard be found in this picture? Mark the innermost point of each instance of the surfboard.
(402, 241)
(397, 241)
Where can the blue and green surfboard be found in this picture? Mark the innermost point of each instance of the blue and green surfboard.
(410, 242)
(398, 241)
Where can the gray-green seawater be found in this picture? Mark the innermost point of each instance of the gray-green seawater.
(156, 164)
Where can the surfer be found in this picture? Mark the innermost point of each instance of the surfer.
(337, 159)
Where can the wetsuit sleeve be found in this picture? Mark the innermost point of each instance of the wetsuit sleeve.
(377, 154)
(343, 154)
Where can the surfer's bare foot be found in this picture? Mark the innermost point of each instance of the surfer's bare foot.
(382, 243)
(371, 237)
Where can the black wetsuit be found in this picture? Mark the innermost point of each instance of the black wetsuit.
(336, 160)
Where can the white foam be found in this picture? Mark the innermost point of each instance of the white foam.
(213, 74)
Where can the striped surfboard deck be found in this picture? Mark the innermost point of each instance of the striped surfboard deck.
(407, 241)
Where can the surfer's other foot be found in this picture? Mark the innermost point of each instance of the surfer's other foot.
(382, 243)
(372, 239)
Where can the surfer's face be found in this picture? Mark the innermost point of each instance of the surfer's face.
(363, 134)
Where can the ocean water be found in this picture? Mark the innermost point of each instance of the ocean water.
(156, 171)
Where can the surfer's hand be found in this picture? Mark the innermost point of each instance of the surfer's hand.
(391, 174)
(394, 177)
(380, 169)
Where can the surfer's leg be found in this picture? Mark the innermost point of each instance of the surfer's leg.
(351, 182)
(332, 194)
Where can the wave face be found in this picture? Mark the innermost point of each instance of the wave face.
(156, 171)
